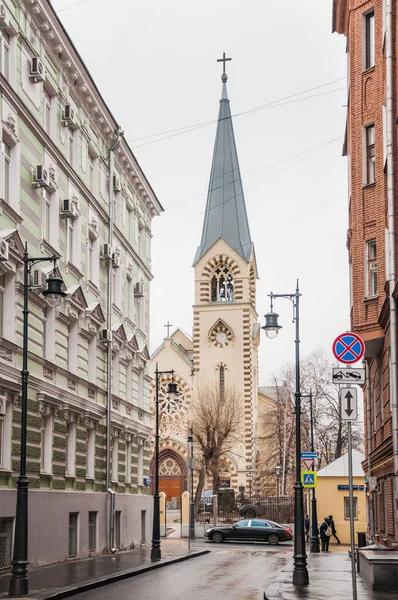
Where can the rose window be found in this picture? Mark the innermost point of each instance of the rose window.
(171, 407)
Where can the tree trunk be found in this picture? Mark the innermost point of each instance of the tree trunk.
(199, 489)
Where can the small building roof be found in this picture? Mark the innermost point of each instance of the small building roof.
(339, 467)
(269, 390)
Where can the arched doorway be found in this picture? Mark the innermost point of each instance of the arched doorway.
(172, 476)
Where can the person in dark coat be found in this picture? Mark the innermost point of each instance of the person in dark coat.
(334, 532)
(307, 528)
(324, 538)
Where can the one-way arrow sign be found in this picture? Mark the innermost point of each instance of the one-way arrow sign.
(349, 405)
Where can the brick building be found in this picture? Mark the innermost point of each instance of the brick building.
(371, 148)
(63, 166)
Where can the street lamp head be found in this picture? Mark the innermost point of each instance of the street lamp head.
(172, 390)
(54, 292)
(271, 326)
(190, 437)
(278, 471)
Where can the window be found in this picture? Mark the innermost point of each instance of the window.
(1, 441)
(370, 174)
(128, 462)
(73, 340)
(5, 54)
(347, 508)
(222, 285)
(369, 49)
(371, 268)
(115, 458)
(70, 448)
(46, 445)
(222, 383)
(140, 463)
(90, 452)
(90, 258)
(242, 524)
(69, 240)
(92, 531)
(6, 172)
(5, 438)
(92, 359)
(90, 172)
(46, 112)
(6, 539)
(71, 139)
(129, 298)
(46, 216)
(259, 524)
(73, 534)
(2, 304)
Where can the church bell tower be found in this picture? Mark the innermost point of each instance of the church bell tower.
(226, 333)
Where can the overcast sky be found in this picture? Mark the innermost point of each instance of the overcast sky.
(155, 65)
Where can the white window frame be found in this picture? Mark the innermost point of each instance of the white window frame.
(5, 438)
(140, 463)
(73, 346)
(91, 452)
(115, 458)
(70, 449)
(92, 359)
(368, 60)
(6, 55)
(49, 333)
(47, 111)
(369, 155)
(2, 302)
(7, 287)
(71, 146)
(6, 169)
(46, 451)
(128, 462)
(371, 289)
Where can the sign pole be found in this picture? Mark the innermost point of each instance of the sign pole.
(352, 533)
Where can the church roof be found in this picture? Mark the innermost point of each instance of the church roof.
(225, 215)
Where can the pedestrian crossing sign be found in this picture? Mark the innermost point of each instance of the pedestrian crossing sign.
(308, 479)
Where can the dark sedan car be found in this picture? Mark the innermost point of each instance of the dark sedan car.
(255, 530)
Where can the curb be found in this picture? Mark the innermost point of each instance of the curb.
(91, 585)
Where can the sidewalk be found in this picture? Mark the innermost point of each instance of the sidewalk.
(330, 578)
(65, 579)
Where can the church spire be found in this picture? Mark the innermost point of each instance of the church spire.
(225, 215)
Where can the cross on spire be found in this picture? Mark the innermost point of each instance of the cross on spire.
(223, 60)
(168, 325)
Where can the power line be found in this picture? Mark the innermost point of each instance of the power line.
(71, 6)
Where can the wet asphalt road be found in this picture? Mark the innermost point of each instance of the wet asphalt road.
(233, 571)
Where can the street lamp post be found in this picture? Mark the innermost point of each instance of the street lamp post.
(271, 327)
(278, 471)
(172, 391)
(191, 498)
(19, 574)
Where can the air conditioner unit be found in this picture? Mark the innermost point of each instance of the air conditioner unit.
(4, 22)
(105, 335)
(116, 260)
(68, 116)
(37, 70)
(373, 484)
(139, 290)
(41, 177)
(38, 279)
(3, 250)
(68, 209)
(106, 251)
(3, 405)
(117, 187)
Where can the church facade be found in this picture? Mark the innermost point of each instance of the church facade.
(223, 347)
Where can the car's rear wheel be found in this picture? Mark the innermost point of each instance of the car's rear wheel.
(273, 539)
(217, 537)
(250, 513)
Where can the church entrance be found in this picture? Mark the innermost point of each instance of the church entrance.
(172, 478)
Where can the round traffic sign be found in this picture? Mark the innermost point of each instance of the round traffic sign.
(348, 348)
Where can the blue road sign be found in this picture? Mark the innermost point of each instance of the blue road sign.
(309, 479)
(348, 348)
(308, 454)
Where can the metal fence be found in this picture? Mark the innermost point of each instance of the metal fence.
(6, 530)
(280, 510)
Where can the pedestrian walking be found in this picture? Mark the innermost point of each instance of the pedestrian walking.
(325, 531)
(334, 532)
(307, 528)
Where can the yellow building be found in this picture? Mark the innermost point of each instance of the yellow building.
(332, 495)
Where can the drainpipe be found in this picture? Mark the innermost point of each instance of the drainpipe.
(111, 529)
(369, 446)
(391, 249)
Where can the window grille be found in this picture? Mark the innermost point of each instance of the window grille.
(6, 533)
(92, 531)
(72, 542)
(347, 508)
(117, 528)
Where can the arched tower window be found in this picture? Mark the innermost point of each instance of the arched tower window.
(222, 383)
(222, 285)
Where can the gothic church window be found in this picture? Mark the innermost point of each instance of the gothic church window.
(222, 285)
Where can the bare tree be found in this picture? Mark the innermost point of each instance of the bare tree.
(216, 425)
(330, 432)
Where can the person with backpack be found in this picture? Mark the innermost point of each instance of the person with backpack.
(325, 531)
(307, 528)
(334, 532)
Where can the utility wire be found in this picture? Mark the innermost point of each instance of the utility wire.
(71, 6)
